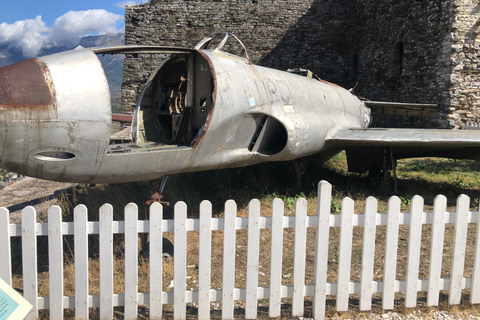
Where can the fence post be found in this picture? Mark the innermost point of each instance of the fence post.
(204, 260)
(391, 247)
(80, 218)
(459, 247)
(436, 251)
(414, 241)
(345, 254)
(131, 261)
(156, 263)
(276, 253)
(321, 247)
(5, 253)
(252, 259)
(106, 262)
(55, 262)
(29, 259)
(368, 253)
(229, 235)
(299, 257)
(180, 261)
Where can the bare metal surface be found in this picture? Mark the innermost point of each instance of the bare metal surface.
(392, 137)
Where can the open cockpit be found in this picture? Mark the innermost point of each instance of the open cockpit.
(174, 105)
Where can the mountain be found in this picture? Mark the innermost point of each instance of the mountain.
(107, 40)
(9, 55)
(112, 64)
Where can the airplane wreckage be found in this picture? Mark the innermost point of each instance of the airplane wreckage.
(201, 109)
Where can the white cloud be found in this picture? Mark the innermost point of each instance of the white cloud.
(28, 35)
(32, 34)
(73, 24)
(130, 3)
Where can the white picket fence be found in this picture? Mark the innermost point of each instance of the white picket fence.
(318, 289)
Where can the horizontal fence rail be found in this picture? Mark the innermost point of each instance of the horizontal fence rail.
(318, 288)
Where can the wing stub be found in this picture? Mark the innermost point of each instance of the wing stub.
(403, 109)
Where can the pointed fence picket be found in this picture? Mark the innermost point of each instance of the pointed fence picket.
(318, 288)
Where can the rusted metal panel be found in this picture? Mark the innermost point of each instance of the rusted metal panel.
(26, 85)
(124, 118)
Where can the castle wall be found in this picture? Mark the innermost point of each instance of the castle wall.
(403, 55)
(465, 60)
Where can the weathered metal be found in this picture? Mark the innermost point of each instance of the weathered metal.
(123, 118)
(55, 116)
(27, 85)
(201, 109)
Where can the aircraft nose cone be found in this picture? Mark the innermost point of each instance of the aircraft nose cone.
(27, 95)
(25, 85)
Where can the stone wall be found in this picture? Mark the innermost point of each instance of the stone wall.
(402, 51)
(439, 64)
(465, 60)
(423, 51)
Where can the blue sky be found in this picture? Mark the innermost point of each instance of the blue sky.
(17, 10)
(31, 24)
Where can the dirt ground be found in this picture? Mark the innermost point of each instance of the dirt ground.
(40, 194)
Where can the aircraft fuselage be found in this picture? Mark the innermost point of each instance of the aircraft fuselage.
(200, 110)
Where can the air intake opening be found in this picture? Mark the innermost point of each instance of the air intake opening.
(54, 156)
(270, 137)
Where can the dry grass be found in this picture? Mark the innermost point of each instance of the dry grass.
(427, 177)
